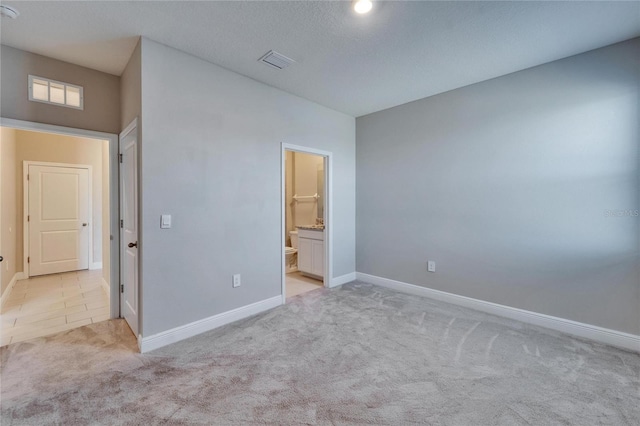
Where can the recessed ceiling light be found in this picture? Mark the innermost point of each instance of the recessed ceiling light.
(362, 6)
(9, 11)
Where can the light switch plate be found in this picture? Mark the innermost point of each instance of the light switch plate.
(165, 221)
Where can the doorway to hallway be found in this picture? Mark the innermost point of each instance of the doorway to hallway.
(59, 197)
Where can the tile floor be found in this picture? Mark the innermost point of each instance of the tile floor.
(296, 284)
(48, 304)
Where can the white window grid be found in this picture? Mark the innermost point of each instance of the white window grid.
(62, 100)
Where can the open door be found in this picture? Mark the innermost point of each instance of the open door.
(129, 303)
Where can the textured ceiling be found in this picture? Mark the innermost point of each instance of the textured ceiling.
(400, 52)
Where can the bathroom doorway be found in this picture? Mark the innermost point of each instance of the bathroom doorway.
(306, 220)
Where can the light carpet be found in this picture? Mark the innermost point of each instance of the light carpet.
(354, 355)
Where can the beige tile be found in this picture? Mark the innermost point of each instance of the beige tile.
(86, 297)
(93, 293)
(67, 276)
(43, 282)
(7, 323)
(72, 292)
(35, 324)
(52, 303)
(89, 277)
(75, 301)
(36, 317)
(42, 299)
(90, 286)
(102, 303)
(41, 306)
(11, 312)
(87, 314)
(100, 318)
(16, 296)
(10, 304)
(296, 284)
(48, 331)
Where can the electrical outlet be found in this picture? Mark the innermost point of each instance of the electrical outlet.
(236, 280)
(431, 266)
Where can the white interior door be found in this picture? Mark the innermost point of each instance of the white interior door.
(129, 227)
(58, 219)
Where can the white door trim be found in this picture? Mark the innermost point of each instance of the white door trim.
(328, 211)
(25, 207)
(114, 255)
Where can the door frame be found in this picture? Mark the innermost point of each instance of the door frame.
(114, 203)
(328, 211)
(25, 208)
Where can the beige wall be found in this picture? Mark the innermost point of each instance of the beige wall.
(288, 201)
(36, 146)
(301, 174)
(8, 213)
(305, 183)
(101, 92)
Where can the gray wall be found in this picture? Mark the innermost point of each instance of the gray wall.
(101, 92)
(211, 157)
(506, 184)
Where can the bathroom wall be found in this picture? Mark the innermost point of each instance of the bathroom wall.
(305, 183)
(288, 197)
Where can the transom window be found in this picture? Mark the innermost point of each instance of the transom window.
(55, 92)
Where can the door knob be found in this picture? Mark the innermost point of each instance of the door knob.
(1, 258)
(131, 245)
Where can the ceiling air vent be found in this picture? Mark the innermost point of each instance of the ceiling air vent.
(276, 60)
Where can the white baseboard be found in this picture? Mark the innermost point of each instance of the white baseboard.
(587, 331)
(95, 265)
(174, 335)
(342, 279)
(7, 291)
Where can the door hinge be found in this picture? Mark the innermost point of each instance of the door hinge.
(121, 158)
(29, 259)
(27, 176)
(121, 223)
(28, 218)
(121, 288)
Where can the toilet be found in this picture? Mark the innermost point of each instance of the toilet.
(291, 261)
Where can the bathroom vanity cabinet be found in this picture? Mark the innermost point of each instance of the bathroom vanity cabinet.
(311, 252)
